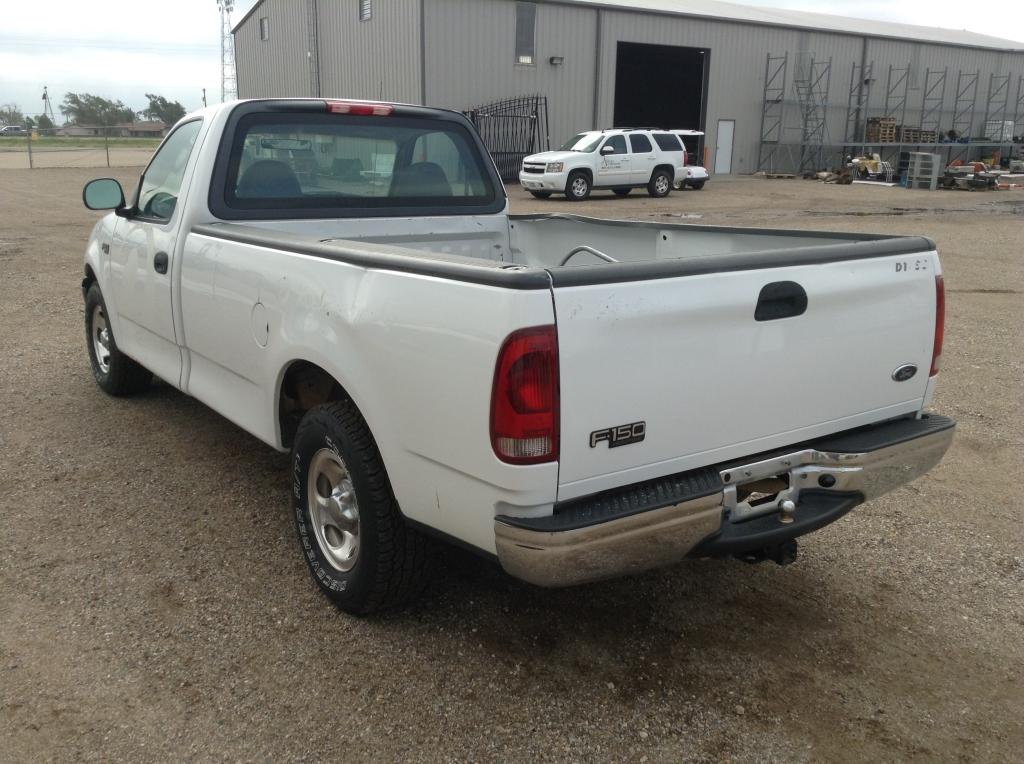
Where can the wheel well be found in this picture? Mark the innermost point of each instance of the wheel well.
(304, 386)
(671, 170)
(585, 171)
(89, 278)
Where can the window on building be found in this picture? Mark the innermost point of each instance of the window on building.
(526, 33)
(640, 144)
(365, 10)
(264, 28)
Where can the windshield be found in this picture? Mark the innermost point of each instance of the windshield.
(585, 142)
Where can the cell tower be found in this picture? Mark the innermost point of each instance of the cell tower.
(228, 79)
(48, 106)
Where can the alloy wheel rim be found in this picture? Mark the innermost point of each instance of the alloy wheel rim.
(579, 187)
(661, 184)
(101, 339)
(333, 509)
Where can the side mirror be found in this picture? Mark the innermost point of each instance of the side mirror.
(606, 149)
(103, 194)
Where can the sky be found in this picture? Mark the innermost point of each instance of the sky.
(123, 50)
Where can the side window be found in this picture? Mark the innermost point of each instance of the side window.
(526, 29)
(618, 143)
(640, 144)
(264, 28)
(667, 142)
(158, 192)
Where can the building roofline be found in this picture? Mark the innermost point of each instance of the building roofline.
(245, 18)
(913, 33)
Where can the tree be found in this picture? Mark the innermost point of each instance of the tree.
(166, 111)
(29, 122)
(89, 109)
(10, 114)
(44, 122)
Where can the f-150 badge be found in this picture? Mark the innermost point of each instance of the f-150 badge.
(622, 435)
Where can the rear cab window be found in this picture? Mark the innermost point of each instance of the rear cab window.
(309, 164)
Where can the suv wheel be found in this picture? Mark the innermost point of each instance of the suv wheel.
(660, 185)
(577, 188)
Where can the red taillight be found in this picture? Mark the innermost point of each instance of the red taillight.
(940, 325)
(360, 109)
(524, 399)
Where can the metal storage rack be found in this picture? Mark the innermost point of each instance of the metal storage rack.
(923, 170)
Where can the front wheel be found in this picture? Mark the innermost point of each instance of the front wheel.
(577, 188)
(114, 372)
(660, 185)
(540, 194)
(357, 545)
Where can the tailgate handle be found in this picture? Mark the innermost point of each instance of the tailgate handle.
(780, 299)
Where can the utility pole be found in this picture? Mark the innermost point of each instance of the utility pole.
(228, 79)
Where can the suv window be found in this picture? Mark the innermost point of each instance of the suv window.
(618, 143)
(667, 141)
(640, 144)
(160, 186)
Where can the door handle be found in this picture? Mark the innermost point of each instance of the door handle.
(780, 299)
(160, 262)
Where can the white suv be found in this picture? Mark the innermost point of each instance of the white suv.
(621, 160)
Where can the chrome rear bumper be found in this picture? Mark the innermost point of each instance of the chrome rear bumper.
(639, 527)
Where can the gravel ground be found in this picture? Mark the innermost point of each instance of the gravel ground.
(153, 604)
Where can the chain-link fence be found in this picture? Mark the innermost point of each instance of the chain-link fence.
(77, 146)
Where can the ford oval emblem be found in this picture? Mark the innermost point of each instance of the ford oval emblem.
(904, 372)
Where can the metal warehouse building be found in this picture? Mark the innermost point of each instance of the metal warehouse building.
(773, 89)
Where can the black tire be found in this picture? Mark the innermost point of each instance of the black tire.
(578, 186)
(119, 375)
(540, 194)
(391, 564)
(621, 191)
(660, 184)
(697, 185)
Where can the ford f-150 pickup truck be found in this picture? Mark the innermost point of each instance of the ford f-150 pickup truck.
(576, 398)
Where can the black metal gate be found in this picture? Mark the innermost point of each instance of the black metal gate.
(512, 130)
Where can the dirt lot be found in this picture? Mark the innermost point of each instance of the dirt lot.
(153, 604)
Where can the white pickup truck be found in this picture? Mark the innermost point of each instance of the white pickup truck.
(576, 398)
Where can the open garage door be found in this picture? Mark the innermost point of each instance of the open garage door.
(661, 86)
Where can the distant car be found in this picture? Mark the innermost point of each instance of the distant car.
(618, 160)
(692, 175)
(13, 130)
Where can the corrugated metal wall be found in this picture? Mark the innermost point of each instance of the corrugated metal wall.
(375, 59)
(470, 60)
(278, 66)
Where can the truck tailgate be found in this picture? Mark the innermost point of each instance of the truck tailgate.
(710, 381)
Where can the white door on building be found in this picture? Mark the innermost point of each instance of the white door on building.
(723, 146)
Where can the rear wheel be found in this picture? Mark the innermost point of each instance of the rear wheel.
(114, 372)
(577, 188)
(621, 191)
(358, 547)
(540, 194)
(660, 185)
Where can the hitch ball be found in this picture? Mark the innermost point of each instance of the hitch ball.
(787, 509)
